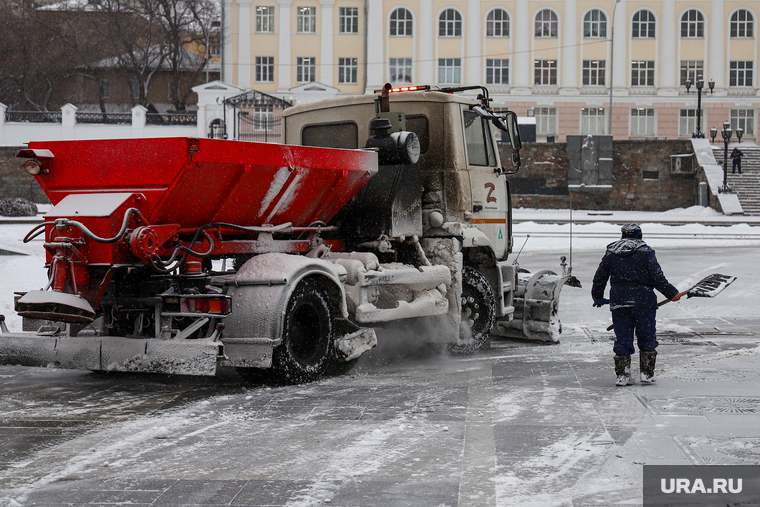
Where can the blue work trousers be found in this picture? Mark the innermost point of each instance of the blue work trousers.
(638, 320)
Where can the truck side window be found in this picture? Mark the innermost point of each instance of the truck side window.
(478, 138)
(420, 126)
(335, 135)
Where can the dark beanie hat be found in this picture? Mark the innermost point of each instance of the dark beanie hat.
(631, 231)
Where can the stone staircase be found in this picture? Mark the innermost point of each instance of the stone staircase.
(746, 186)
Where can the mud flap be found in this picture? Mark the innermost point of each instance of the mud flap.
(536, 301)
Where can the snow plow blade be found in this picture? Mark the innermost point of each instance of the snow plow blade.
(536, 302)
(110, 353)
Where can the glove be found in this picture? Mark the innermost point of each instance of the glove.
(676, 297)
(598, 303)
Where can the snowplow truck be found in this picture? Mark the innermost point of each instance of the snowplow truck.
(184, 255)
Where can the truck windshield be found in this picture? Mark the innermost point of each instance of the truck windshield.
(477, 134)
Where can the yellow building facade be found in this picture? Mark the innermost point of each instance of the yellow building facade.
(557, 61)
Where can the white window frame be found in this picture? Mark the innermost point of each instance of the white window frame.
(400, 67)
(264, 69)
(643, 68)
(105, 86)
(306, 69)
(647, 26)
(450, 70)
(595, 24)
(450, 23)
(594, 72)
(742, 25)
(401, 23)
(743, 117)
(546, 24)
(306, 20)
(497, 23)
(691, 69)
(593, 120)
(741, 73)
(263, 119)
(693, 24)
(348, 20)
(264, 19)
(687, 121)
(546, 120)
(649, 122)
(497, 71)
(348, 70)
(544, 72)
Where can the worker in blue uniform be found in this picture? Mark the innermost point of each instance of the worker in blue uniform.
(632, 269)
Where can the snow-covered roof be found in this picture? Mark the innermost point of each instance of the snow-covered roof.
(189, 61)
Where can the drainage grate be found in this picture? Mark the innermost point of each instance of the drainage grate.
(700, 405)
(709, 375)
(664, 338)
(716, 450)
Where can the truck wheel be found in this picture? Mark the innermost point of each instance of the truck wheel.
(305, 351)
(478, 312)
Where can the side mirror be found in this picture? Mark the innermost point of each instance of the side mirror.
(510, 118)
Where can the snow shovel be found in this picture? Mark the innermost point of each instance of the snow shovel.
(708, 287)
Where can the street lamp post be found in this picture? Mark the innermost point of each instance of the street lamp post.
(726, 134)
(700, 84)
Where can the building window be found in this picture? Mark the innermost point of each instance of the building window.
(497, 23)
(745, 119)
(172, 92)
(692, 24)
(349, 19)
(687, 122)
(306, 69)
(105, 88)
(307, 20)
(691, 70)
(742, 24)
(546, 23)
(450, 24)
(546, 120)
(265, 69)
(593, 72)
(545, 72)
(643, 25)
(264, 19)
(449, 70)
(401, 70)
(348, 69)
(134, 85)
(215, 48)
(595, 24)
(263, 119)
(740, 73)
(497, 71)
(642, 73)
(642, 121)
(592, 120)
(401, 23)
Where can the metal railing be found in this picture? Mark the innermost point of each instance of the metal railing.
(105, 118)
(33, 116)
(171, 119)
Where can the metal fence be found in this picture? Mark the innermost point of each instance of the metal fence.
(105, 118)
(171, 119)
(259, 128)
(33, 116)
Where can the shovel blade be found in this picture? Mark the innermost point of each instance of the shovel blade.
(710, 286)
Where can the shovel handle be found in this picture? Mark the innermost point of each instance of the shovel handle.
(682, 294)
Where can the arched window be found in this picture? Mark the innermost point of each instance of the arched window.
(450, 24)
(692, 24)
(742, 24)
(643, 25)
(401, 23)
(546, 23)
(595, 24)
(497, 23)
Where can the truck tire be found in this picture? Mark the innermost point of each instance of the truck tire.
(478, 312)
(307, 339)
